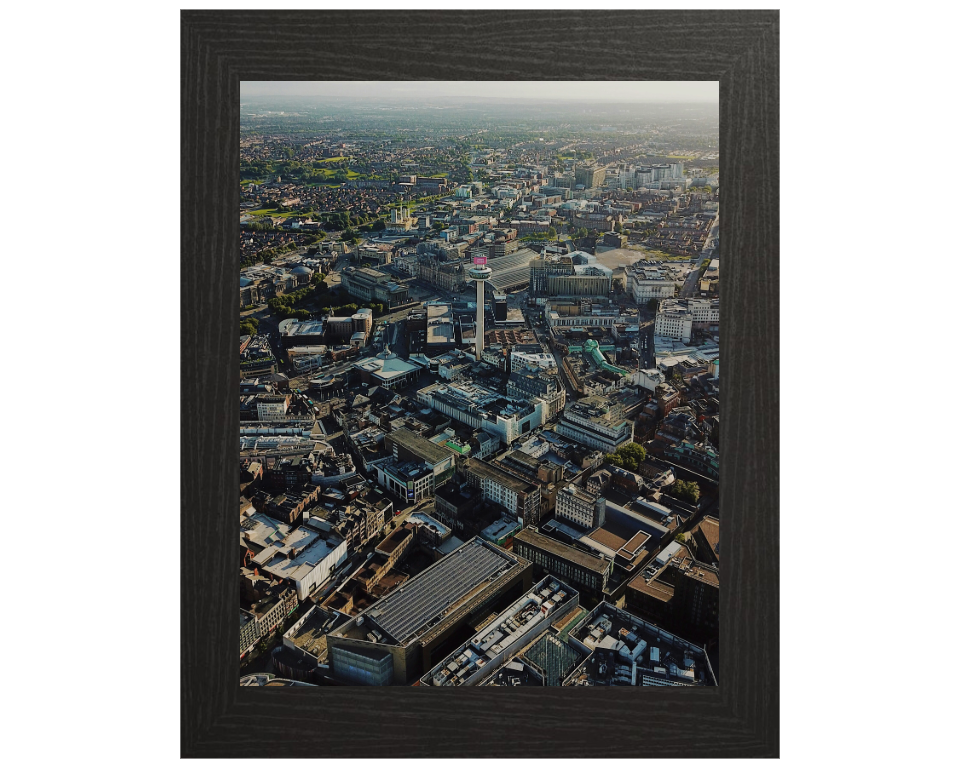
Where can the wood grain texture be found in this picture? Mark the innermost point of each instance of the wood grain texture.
(739, 48)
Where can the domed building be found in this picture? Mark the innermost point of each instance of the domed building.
(302, 274)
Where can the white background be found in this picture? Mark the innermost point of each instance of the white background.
(91, 496)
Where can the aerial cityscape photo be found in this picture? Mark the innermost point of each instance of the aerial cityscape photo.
(479, 384)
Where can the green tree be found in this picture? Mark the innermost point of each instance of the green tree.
(628, 456)
(686, 491)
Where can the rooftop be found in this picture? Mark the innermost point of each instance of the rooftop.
(500, 476)
(630, 651)
(563, 551)
(536, 609)
(553, 657)
(420, 446)
(298, 553)
(310, 633)
(428, 597)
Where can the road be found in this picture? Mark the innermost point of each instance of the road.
(689, 288)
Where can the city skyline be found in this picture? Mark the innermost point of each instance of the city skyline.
(480, 385)
(612, 91)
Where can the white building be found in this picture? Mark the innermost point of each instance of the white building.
(677, 318)
(596, 422)
(650, 283)
(674, 321)
(706, 312)
(305, 557)
(544, 361)
(599, 318)
(505, 418)
(649, 379)
(271, 408)
(581, 507)
(410, 480)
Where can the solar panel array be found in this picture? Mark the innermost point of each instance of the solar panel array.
(404, 612)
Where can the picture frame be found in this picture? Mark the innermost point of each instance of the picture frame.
(740, 717)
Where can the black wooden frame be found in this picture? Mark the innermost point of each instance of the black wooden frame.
(740, 718)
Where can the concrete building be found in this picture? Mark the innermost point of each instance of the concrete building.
(296, 333)
(398, 638)
(305, 557)
(587, 280)
(623, 649)
(372, 285)
(590, 176)
(547, 602)
(272, 407)
(387, 370)
(596, 422)
(440, 333)
(649, 283)
(545, 266)
(678, 318)
(527, 384)
(585, 571)
(674, 321)
(504, 417)
(542, 360)
(520, 497)
(410, 480)
(409, 446)
(581, 506)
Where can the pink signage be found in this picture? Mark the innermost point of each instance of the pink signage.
(479, 259)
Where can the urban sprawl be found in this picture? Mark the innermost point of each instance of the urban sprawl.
(479, 396)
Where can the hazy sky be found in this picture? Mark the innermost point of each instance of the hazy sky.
(580, 90)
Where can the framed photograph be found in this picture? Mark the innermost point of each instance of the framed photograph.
(479, 401)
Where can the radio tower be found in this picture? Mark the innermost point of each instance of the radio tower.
(479, 273)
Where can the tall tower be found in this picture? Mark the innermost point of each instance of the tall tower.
(479, 273)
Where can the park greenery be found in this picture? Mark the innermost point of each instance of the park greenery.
(686, 491)
(627, 456)
(249, 326)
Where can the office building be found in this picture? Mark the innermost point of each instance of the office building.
(596, 422)
(305, 557)
(674, 321)
(486, 651)
(409, 446)
(590, 176)
(587, 572)
(372, 285)
(520, 497)
(623, 649)
(581, 506)
(406, 633)
(650, 283)
(504, 417)
(533, 384)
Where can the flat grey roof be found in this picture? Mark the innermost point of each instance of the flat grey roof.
(564, 551)
(419, 445)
